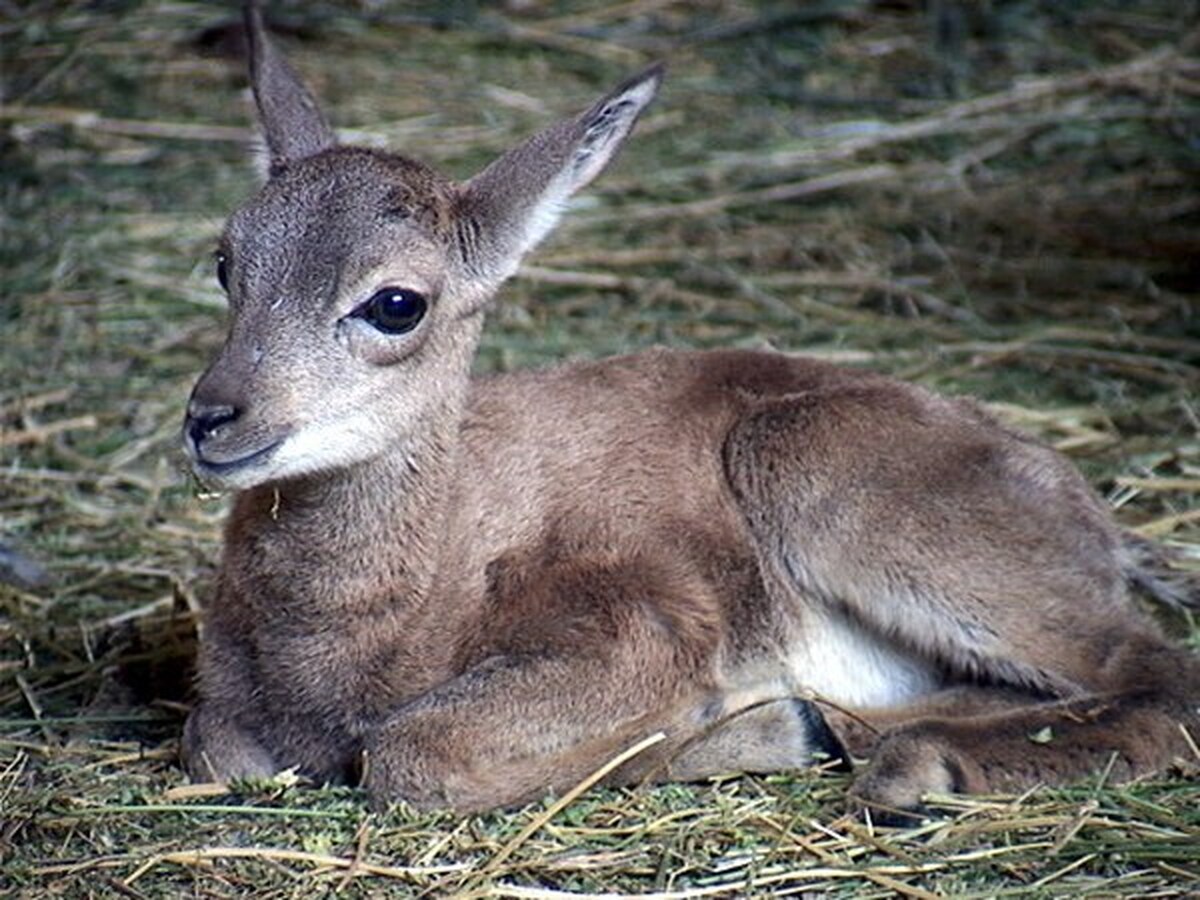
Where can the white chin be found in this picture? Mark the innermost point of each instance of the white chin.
(234, 478)
(311, 450)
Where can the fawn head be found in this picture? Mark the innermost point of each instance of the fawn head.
(357, 280)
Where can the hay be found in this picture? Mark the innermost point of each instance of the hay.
(989, 198)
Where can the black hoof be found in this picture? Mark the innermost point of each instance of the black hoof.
(827, 749)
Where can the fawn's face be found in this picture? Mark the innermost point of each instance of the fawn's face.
(344, 319)
(357, 279)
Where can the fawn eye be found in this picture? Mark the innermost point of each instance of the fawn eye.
(394, 310)
(223, 271)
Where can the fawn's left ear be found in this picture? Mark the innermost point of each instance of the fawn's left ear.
(292, 123)
(511, 205)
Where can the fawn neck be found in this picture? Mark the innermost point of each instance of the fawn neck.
(367, 536)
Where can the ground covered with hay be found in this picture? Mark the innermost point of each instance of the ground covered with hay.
(991, 197)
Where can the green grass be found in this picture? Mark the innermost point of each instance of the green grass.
(1002, 201)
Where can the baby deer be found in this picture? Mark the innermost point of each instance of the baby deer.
(470, 591)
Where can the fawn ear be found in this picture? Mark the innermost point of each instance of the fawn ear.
(511, 205)
(291, 120)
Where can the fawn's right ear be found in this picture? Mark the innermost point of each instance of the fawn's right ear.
(291, 120)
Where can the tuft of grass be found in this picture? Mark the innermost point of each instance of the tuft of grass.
(988, 198)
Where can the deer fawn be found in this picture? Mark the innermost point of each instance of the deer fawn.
(471, 591)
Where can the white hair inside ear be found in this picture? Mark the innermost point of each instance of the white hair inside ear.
(260, 160)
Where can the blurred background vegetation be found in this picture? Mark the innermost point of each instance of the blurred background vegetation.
(988, 196)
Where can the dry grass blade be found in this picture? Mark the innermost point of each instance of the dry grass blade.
(206, 855)
(981, 114)
(779, 193)
(86, 119)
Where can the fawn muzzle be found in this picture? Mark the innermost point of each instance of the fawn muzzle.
(220, 435)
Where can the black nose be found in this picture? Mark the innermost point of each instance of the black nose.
(203, 420)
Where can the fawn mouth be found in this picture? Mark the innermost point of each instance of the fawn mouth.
(206, 467)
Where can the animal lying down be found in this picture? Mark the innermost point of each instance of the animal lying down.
(467, 592)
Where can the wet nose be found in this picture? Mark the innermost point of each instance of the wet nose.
(204, 419)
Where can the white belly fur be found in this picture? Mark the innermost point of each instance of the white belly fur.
(836, 659)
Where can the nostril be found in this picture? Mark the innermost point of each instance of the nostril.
(202, 421)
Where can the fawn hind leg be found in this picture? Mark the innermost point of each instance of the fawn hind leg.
(977, 740)
(983, 553)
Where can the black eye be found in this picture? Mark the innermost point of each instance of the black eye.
(223, 271)
(394, 310)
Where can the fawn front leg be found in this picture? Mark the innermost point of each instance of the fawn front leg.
(216, 748)
(216, 744)
(510, 730)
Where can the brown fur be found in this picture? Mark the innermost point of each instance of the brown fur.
(469, 592)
